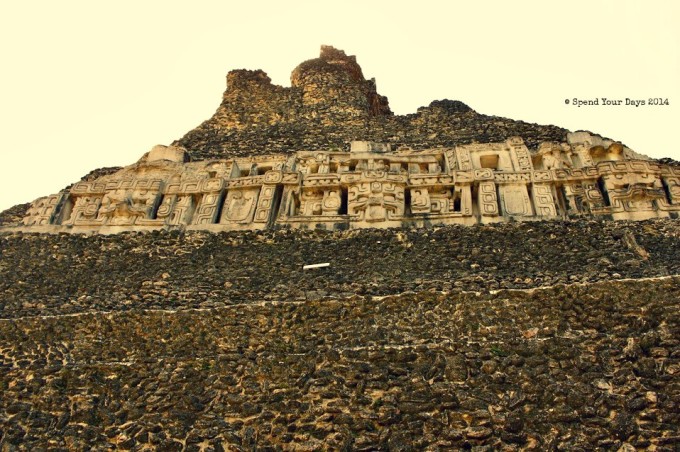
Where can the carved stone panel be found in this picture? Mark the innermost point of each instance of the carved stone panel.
(673, 188)
(166, 207)
(264, 204)
(543, 200)
(376, 201)
(85, 210)
(206, 212)
(515, 200)
(488, 201)
(176, 209)
(592, 196)
(420, 201)
(239, 205)
(123, 207)
(520, 154)
(332, 200)
(311, 202)
(573, 193)
(635, 198)
(442, 200)
(42, 211)
(582, 151)
(451, 160)
(464, 160)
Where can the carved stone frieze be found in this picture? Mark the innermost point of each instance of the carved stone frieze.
(475, 183)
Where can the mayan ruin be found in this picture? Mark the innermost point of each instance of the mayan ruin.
(371, 184)
(306, 270)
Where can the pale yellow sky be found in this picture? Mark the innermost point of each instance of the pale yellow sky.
(90, 84)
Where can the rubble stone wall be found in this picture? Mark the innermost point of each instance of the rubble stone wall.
(59, 274)
(580, 367)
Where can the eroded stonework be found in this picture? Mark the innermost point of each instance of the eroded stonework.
(370, 186)
(275, 156)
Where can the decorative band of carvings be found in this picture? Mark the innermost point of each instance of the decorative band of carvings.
(670, 171)
(511, 177)
(629, 166)
(321, 180)
(100, 188)
(349, 178)
(589, 172)
(422, 180)
(368, 189)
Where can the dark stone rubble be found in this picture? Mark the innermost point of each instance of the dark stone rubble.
(69, 273)
(410, 340)
(328, 105)
(579, 367)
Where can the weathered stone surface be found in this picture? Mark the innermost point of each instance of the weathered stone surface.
(213, 329)
(363, 372)
(370, 186)
(14, 215)
(178, 270)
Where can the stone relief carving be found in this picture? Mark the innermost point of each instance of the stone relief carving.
(375, 201)
(123, 207)
(553, 156)
(239, 205)
(488, 200)
(544, 202)
(42, 211)
(464, 184)
(515, 200)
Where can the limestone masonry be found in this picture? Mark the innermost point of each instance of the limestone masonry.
(328, 153)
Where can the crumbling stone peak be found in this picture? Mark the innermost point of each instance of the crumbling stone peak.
(331, 104)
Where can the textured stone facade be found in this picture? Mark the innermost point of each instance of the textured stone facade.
(369, 186)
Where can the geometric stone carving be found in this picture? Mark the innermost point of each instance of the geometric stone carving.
(206, 212)
(520, 154)
(265, 203)
(42, 211)
(85, 210)
(376, 201)
(488, 201)
(176, 209)
(464, 160)
(369, 187)
(544, 202)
